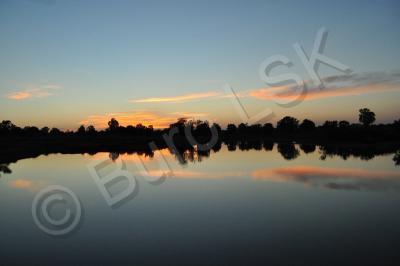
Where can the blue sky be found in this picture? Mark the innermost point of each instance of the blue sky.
(78, 62)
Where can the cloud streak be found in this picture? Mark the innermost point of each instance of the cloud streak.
(179, 99)
(335, 86)
(36, 92)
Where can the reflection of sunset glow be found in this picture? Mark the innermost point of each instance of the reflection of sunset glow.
(136, 158)
(332, 177)
(26, 184)
(188, 174)
(21, 183)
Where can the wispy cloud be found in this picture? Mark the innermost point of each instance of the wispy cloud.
(157, 120)
(335, 86)
(181, 98)
(33, 92)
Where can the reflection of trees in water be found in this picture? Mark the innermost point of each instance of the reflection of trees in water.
(396, 158)
(231, 144)
(191, 155)
(328, 150)
(217, 147)
(113, 156)
(4, 169)
(307, 148)
(268, 145)
(363, 152)
(288, 151)
(245, 145)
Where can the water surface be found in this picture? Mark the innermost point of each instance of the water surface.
(286, 205)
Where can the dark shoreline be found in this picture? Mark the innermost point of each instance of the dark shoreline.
(14, 149)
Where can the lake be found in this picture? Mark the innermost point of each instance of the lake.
(267, 205)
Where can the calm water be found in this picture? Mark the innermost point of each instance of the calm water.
(233, 207)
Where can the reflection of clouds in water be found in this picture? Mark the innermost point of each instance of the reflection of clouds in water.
(26, 184)
(188, 174)
(347, 179)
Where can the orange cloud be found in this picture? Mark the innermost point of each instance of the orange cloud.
(34, 92)
(333, 178)
(21, 95)
(289, 94)
(134, 118)
(177, 99)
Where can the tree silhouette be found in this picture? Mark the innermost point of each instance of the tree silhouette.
(81, 130)
(244, 136)
(231, 129)
(366, 117)
(288, 124)
(113, 124)
(242, 129)
(267, 129)
(396, 124)
(344, 124)
(329, 125)
(44, 130)
(31, 131)
(217, 127)
(307, 125)
(55, 132)
(91, 130)
(6, 125)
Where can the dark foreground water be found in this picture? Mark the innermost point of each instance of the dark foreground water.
(255, 207)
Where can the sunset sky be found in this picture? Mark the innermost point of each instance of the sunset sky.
(66, 63)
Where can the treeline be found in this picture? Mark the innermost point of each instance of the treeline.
(288, 128)
(7, 128)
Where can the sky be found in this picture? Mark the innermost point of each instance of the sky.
(66, 63)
